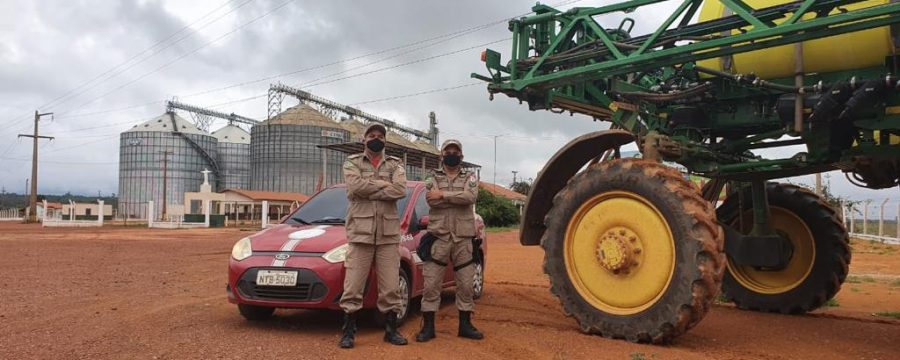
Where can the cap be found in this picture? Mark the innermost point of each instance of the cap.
(375, 126)
(451, 142)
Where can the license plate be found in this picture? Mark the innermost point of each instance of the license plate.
(276, 278)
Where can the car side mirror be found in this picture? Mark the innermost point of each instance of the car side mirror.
(423, 222)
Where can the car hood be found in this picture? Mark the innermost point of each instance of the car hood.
(304, 238)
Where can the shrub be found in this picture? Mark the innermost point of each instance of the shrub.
(496, 211)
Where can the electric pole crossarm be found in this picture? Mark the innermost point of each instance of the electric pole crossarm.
(37, 137)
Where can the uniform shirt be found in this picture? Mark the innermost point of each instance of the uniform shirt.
(452, 217)
(373, 193)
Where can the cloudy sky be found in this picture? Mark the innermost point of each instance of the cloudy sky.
(104, 66)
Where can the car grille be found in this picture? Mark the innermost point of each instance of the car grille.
(309, 287)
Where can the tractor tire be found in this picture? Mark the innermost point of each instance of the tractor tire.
(633, 251)
(819, 260)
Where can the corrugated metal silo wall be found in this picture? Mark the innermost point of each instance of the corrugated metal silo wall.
(234, 165)
(284, 158)
(141, 170)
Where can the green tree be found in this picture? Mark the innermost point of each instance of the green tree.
(521, 187)
(496, 211)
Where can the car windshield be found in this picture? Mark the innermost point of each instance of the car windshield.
(330, 207)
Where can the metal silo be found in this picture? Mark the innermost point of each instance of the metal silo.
(284, 156)
(234, 157)
(168, 144)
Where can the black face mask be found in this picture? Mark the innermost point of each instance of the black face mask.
(452, 160)
(375, 145)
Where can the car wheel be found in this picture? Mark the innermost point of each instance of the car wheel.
(405, 295)
(405, 290)
(255, 313)
(478, 282)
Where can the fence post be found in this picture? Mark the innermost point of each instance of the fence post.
(100, 213)
(866, 218)
(881, 218)
(206, 210)
(150, 214)
(44, 216)
(844, 214)
(264, 217)
(852, 220)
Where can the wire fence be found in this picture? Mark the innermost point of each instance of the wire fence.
(873, 220)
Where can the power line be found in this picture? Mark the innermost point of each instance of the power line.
(329, 81)
(448, 37)
(64, 162)
(116, 73)
(315, 83)
(139, 78)
(417, 94)
(451, 35)
(67, 95)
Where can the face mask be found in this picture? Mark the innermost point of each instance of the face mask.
(452, 160)
(375, 145)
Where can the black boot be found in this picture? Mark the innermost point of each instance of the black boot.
(391, 334)
(466, 329)
(427, 332)
(349, 329)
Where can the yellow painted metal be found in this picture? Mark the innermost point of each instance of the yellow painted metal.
(894, 139)
(638, 271)
(799, 267)
(856, 50)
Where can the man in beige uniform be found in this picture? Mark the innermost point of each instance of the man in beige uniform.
(374, 184)
(451, 196)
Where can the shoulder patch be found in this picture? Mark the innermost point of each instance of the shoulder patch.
(473, 181)
(349, 164)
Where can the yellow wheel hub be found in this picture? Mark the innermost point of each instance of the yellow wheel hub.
(619, 252)
(616, 252)
(771, 282)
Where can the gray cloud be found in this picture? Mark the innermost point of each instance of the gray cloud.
(45, 53)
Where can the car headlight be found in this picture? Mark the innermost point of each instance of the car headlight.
(242, 249)
(337, 254)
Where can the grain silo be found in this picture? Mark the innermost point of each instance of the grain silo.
(167, 145)
(234, 157)
(284, 156)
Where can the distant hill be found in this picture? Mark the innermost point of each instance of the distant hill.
(13, 200)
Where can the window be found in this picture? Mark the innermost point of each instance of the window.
(421, 209)
(330, 206)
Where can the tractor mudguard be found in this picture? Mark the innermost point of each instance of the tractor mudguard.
(556, 174)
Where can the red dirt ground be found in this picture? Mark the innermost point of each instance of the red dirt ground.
(134, 293)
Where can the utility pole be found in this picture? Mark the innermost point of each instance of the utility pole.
(32, 202)
(165, 155)
(495, 157)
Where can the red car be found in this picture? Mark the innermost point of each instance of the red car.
(299, 264)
